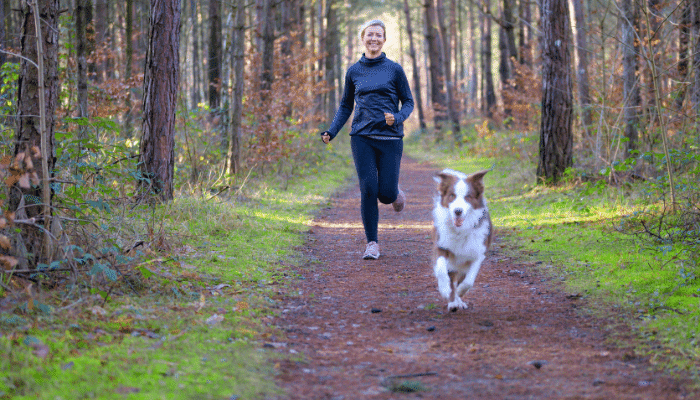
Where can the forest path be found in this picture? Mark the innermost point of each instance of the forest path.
(364, 327)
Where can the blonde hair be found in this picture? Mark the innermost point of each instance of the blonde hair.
(374, 22)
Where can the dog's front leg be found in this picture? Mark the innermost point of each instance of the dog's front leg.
(443, 279)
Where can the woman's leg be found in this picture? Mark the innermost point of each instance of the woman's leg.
(388, 169)
(365, 157)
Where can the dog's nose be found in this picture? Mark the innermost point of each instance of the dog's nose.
(458, 211)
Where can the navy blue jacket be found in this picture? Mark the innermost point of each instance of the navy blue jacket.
(377, 86)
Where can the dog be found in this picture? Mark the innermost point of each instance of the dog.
(462, 233)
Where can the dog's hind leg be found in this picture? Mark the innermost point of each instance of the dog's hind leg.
(443, 279)
(456, 302)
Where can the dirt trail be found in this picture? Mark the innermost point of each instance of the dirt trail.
(364, 326)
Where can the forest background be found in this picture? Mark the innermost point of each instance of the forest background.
(141, 104)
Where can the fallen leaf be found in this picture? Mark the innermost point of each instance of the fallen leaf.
(214, 319)
(97, 310)
(40, 350)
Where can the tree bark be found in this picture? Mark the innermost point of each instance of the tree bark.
(582, 70)
(268, 47)
(3, 45)
(128, 68)
(196, 72)
(159, 100)
(332, 43)
(34, 141)
(630, 69)
(437, 78)
(683, 52)
(489, 96)
(695, 18)
(556, 138)
(414, 63)
(81, 23)
(101, 35)
(238, 68)
(446, 52)
(214, 54)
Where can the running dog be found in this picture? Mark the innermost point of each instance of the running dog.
(462, 233)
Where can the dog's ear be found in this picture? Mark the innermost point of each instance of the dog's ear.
(444, 181)
(476, 180)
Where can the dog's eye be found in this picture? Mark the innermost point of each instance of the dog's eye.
(451, 196)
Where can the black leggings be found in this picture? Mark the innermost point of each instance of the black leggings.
(377, 163)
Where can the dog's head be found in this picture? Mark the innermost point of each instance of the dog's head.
(461, 194)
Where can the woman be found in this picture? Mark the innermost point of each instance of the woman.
(377, 85)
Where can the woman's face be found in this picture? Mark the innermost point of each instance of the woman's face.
(374, 40)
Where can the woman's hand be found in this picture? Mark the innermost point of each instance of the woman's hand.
(389, 118)
(326, 138)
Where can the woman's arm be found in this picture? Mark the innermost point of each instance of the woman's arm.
(405, 96)
(347, 103)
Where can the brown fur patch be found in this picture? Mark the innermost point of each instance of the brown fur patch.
(446, 188)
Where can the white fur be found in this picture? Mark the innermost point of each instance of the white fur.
(464, 235)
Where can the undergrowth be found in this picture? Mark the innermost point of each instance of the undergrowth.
(616, 245)
(187, 317)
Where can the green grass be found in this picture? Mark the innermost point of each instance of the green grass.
(570, 232)
(181, 337)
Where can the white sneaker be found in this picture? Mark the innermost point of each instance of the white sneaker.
(372, 251)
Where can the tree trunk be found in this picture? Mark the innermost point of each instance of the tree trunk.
(695, 33)
(214, 54)
(3, 45)
(101, 35)
(128, 115)
(489, 93)
(683, 52)
(630, 69)
(160, 99)
(437, 77)
(268, 47)
(414, 63)
(473, 74)
(81, 61)
(653, 41)
(556, 138)
(34, 141)
(238, 68)
(582, 70)
(446, 53)
(331, 45)
(196, 72)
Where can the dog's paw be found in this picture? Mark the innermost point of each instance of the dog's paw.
(457, 304)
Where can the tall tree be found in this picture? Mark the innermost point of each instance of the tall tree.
(630, 69)
(446, 55)
(556, 138)
(581, 48)
(3, 45)
(81, 22)
(414, 64)
(214, 55)
(683, 51)
(196, 72)
(34, 140)
(159, 99)
(128, 67)
(489, 95)
(332, 44)
(437, 78)
(695, 33)
(101, 35)
(268, 45)
(238, 69)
